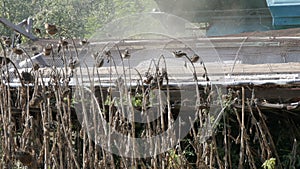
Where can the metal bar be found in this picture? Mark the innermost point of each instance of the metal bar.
(18, 29)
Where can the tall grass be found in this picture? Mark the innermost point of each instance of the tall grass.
(51, 124)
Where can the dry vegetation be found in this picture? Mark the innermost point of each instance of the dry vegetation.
(40, 128)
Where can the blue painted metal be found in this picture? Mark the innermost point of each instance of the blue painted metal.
(223, 17)
(285, 13)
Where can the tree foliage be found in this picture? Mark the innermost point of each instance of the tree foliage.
(74, 18)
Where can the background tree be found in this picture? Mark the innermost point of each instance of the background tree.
(74, 18)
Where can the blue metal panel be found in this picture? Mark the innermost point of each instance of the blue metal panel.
(283, 2)
(285, 13)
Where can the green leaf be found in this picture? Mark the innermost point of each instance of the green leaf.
(269, 164)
